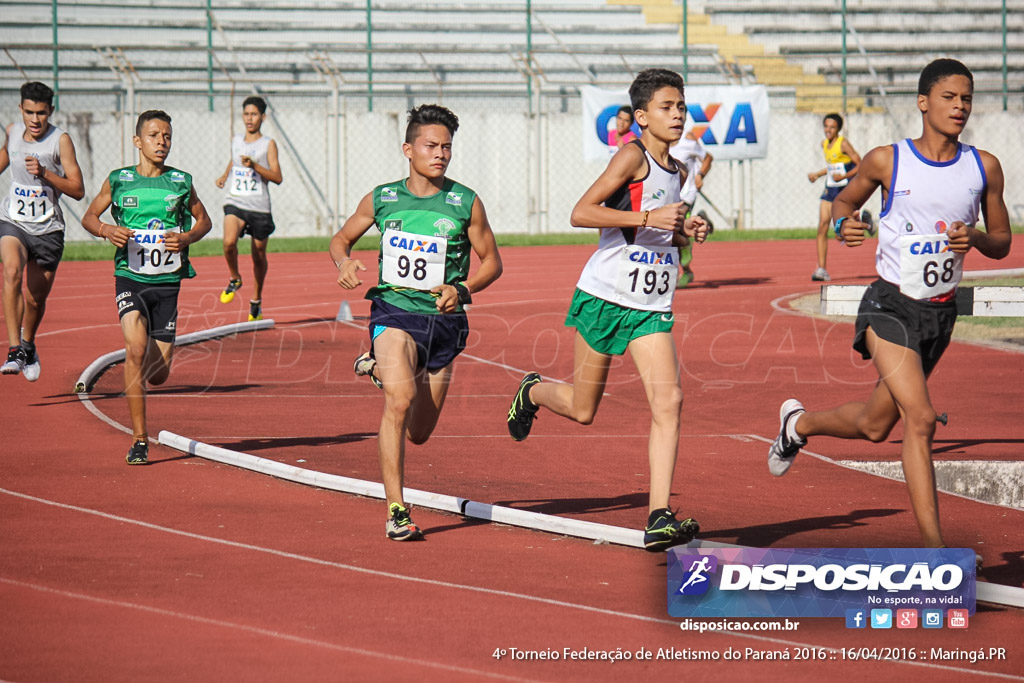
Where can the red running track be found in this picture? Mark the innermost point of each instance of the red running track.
(190, 569)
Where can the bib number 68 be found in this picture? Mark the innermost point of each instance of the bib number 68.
(932, 275)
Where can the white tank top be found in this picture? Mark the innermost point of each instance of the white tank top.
(32, 204)
(246, 188)
(925, 198)
(637, 267)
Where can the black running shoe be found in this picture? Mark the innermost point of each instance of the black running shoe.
(138, 454)
(664, 531)
(523, 411)
(865, 217)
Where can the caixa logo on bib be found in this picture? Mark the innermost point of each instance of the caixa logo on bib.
(816, 582)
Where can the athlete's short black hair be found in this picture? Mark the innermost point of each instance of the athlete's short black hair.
(835, 117)
(427, 115)
(37, 92)
(145, 116)
(939, 69)
(258, 102)
(626, 110)
(650, 81)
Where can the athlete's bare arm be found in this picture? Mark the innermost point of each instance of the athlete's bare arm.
(849, 151)
(341, 244)
(272, 171)
(875, 171)
(71, 183)
(176, 241)
(481, 237)
(224, 176)
(5, 159)
(628, 164)
(994, 240)
(116, 234)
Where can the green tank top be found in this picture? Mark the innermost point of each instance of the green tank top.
(151, 206)
(423, 243)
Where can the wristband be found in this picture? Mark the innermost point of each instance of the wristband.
(465, 297)
(838, 226)
(643, 224)
(337, 264)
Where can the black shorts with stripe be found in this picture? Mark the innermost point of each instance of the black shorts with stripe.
(924, 327)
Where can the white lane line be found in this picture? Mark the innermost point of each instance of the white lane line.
(738, 437)
(463, 587)
(256, 630)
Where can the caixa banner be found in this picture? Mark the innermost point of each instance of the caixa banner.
(731, 120)
(817, 582)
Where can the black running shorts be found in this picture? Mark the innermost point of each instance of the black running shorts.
(158, 304)
(259, 225)
(921, 326)
(46, 249)
(439, 338)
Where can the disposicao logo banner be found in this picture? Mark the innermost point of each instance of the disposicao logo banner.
(817, 582)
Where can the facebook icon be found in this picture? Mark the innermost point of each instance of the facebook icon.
(856, 618)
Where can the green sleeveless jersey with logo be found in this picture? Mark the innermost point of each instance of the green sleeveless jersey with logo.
(142, 203)
(445, 215)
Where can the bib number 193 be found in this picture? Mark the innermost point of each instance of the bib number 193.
(649, 281)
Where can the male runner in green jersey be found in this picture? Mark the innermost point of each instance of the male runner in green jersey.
(153, 206)
(417, 321)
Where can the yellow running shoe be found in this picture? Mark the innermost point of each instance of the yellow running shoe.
(228, 295)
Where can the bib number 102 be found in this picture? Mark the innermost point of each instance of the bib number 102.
(155, 258)
(648, 284)
(932, 274)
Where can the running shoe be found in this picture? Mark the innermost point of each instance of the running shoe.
(685, 279)
(400, 526)
(820, 275)
(31, 370)
(783, 450)
(523, 411)
(228, 295)
(865, 217)
(15, 361)
(255, 310)
(364, 367)
(664, 531)
(138, 454)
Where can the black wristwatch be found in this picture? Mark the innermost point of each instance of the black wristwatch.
(464, 296)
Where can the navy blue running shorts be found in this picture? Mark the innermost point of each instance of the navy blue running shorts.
(439, 338)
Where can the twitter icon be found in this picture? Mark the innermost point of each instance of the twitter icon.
(881, 618)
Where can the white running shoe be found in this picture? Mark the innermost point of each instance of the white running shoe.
(783, 450)
(364, 367)
(31, 370)
(820, 275)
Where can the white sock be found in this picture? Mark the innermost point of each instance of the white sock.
(791, 428)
